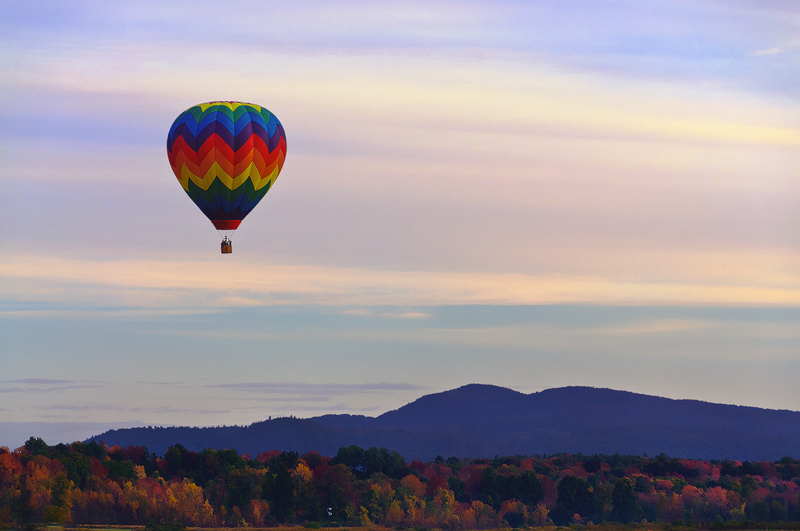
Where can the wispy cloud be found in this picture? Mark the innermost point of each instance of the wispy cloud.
(786, 47)
(367, 312)
(40, 381)
(158, 410)
(656, 326)
(316, 390)
(41, 385)
(331, 408)
(277, 400)
(85, 407)
(725, 278)
(146, 313)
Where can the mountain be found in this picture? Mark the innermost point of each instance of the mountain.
(485, 420)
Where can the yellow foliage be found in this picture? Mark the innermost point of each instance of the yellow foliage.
(363, 516)
(539, 515)
(302, 473)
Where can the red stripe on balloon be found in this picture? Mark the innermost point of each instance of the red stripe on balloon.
(226, 224)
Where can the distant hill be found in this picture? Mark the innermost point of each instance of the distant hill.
(485, 420)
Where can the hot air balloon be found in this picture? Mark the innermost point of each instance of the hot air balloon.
(226, 155)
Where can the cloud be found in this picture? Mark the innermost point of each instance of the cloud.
(365, 312)
(40, 381)
(85, 407)
(105, 313)
(791, 45)
(295, 399)
(158, 410)
(657, 326)
(703, 278)
(40, 385)
(332, 408)
(315, 390)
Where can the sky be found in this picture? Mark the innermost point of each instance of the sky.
(525, 194)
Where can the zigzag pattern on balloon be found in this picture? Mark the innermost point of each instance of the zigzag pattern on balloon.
(226, 155)
(217, 153)
(221, 203)
(225, 125)
(213, 166)
(251, 130)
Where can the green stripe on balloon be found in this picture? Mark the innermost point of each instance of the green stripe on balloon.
(217, 187)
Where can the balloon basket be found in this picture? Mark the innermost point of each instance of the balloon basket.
(227, 248)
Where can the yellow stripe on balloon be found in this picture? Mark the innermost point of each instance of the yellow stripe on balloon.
(232, 105)
(260, 181)
(186, 176)
(216, 172)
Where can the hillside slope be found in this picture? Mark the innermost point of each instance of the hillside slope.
(484, 421)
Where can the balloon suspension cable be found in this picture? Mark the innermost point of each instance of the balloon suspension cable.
(225, 233)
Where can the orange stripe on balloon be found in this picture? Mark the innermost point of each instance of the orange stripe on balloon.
(243, 164)
(244, 150)
(207, 147)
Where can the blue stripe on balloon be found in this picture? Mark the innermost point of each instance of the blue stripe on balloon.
(216, 117)
(240, 123)
(221, 208)
(250, 123)
(224, 134)
(248, 117)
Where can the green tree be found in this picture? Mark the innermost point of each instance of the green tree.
(352, 457)
(456, 484)
(36, 446)
(382, 460)
(759, 512)
(778, 511)
(22, 508)
(181, 462)
(574, 497)
(278, 489)
(624, 500)
(243, 486)
(526, 487)
(490, 492)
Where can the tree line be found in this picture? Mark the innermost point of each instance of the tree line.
(91, 483)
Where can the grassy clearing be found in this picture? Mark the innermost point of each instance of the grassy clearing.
(776, 526)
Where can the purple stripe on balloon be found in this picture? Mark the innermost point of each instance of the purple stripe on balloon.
(221, 208)
(252, 128)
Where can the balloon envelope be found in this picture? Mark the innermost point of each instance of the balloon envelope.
(226, 155)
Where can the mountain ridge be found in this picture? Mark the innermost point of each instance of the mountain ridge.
(480, 420)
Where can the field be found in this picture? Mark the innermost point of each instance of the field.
(793, 526)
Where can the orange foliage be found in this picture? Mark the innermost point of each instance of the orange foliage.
(668, 507)
(395, 514)
(256, 513)
(413, 485)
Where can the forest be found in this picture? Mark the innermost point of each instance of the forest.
(92, 483)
